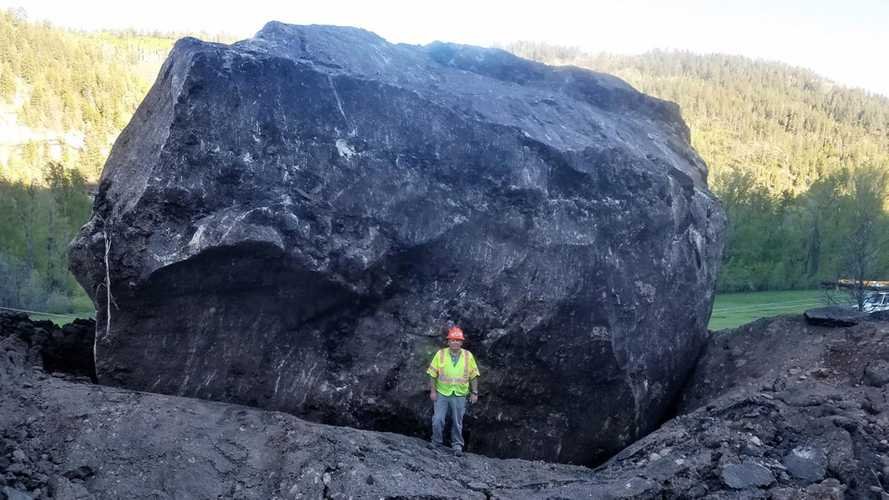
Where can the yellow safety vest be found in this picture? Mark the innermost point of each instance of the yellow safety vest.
(453, 379)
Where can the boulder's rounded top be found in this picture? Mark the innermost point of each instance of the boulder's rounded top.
(276, 30)
(362, 52)
(552, 105)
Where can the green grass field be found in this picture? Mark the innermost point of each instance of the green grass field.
(734, 309)
(58, 319)
(61, 319)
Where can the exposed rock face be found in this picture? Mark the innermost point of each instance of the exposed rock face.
(787, 438)
(834, 316)
(293, 219)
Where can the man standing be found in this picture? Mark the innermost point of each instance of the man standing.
(452, 372)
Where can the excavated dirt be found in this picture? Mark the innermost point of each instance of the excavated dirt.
(776, 409)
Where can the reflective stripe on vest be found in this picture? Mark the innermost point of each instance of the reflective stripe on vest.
(453, 380)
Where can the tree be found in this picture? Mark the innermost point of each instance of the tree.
(865, 230)
(7, 82)
(819, 204)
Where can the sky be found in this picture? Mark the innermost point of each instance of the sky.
(844, 40)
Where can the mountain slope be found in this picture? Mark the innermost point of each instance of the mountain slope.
(65, 95)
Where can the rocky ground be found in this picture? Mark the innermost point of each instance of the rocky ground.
(776, 409)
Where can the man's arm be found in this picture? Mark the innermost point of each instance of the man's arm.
(473, 381)
(433, 394)
(432, 371)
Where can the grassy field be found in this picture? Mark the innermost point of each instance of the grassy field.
(734, 309)
(58, 319)
(61, 319)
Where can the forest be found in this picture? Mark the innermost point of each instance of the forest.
(799, 162)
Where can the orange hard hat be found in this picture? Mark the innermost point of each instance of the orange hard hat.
(455, 333)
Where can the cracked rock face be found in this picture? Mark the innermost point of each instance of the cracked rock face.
(291, 220)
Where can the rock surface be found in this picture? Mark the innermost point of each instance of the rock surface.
(746, 475)
(876, 373)
(293, 219)
(806, 463)
(835, 316)
(793, 396)
(65, 439)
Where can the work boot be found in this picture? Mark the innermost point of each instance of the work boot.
(458, 452)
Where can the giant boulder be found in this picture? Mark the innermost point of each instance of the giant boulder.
(290, 221)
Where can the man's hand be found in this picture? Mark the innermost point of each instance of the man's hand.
(473, 398)
(433, 394)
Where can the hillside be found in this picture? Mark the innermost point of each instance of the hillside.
(64, 98)
(65, 95)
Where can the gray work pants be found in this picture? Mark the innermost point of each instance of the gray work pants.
(457, 407)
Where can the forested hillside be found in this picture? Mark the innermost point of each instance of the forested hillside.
(37, 220)
(799, 162)
(787, 152)
(66, 95)
(64, 98)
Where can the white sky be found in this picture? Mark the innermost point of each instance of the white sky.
(844, 40)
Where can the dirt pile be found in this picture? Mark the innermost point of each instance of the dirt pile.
(781, 406)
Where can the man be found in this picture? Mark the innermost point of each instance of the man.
(453, 374)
